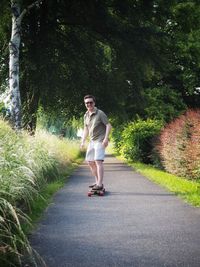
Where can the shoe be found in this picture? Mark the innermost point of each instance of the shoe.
(92, 185)
(97, 187)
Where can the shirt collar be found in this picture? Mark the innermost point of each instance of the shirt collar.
(94, 112)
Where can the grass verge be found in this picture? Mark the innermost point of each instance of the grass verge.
(186, 189)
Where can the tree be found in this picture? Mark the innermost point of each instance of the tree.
(118, 51)
(14, 45)
(5, 26)
(174, 86)
(186, 38)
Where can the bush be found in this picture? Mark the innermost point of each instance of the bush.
(137, 140)
(116, 138)
(179, 145)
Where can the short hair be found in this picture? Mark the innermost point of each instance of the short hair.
(90, 96)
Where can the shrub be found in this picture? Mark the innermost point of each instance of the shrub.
(116, 138)
(179, 145)
(137, 140)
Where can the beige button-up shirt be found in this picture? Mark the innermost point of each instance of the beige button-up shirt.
(96, 123)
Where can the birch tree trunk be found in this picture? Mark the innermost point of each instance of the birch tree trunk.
(15, 100)
(14, 44)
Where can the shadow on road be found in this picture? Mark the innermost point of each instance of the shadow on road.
(109, 193)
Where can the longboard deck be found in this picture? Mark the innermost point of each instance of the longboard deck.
(96, 192)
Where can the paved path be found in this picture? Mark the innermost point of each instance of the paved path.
(137, 223)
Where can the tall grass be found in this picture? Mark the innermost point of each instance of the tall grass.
(27, 164)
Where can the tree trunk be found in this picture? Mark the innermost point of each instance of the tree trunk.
(15, 100)
(30, 109)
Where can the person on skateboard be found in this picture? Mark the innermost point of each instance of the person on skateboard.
(97, 126)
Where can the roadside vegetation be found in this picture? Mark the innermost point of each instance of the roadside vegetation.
(169, 155)
(141, 62)
(31, 170)
(187, 189)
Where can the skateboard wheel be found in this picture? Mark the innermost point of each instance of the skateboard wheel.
(101, 194)
(89, 194)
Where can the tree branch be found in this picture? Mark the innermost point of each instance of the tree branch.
(26, 10)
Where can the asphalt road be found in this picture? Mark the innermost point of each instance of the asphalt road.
(136, 223)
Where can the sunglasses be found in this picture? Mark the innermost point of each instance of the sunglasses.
(89, 102)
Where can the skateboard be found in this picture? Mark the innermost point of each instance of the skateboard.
(93, 192)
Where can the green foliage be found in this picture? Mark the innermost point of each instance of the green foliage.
(116, 139)
(144, 57)
(136, 140)
(58, 124)
(27, 165)
(183, 73)
(2, 109)
(163, 103)
(116, 134)
(5, 29)
(102, 47)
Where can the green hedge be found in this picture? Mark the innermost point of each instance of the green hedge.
(116, 138)
(136, 140)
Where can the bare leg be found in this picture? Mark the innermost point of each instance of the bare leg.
(93, 169)
(100, 171)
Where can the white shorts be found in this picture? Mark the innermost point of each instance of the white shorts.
(95, 151)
